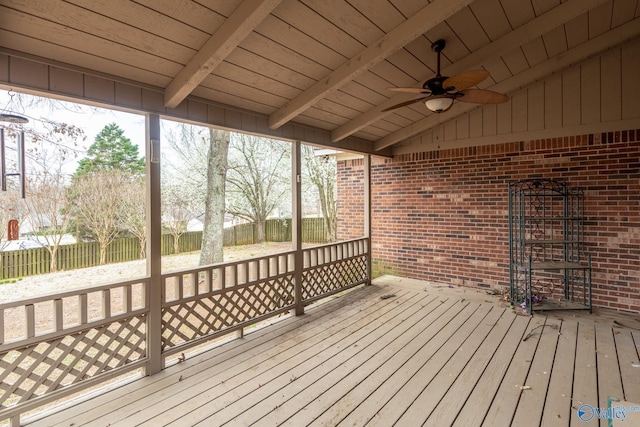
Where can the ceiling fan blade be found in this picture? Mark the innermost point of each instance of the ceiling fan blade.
(482, 96)
(465, 80)
(410, 90)
(402, 104)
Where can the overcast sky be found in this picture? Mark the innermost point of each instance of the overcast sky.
(90, 119)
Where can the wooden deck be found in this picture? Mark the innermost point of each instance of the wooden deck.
(394, 353)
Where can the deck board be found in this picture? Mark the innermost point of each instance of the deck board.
(431, 395)
(338, 356)
(428, 356)
(267, 369)
(364, 374)
(456, 397)
(627, 351)
(607, 361)
(406, 364)
(534, 390)
(507, 395)
(362, 402)
(481, 397)
(585, 380)
(557, 409)
(428, 369)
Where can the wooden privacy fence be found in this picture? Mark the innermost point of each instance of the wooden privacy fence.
(30, 262)
(275, 230)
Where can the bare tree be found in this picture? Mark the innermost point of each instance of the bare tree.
(321, 172)
(43, 135)
(48, 145)
(258, 178)
(184, 163)
(214, 206)
(96, 204)
(175, 213)
(132, 216)
(45, 205)
(196, 164)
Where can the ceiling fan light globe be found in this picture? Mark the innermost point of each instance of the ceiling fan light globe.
(439, 104)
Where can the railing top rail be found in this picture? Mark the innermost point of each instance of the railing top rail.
(224, 264)
(257, 258)
(74, 292)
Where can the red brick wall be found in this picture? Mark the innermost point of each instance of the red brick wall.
(350, 189)
(442, 215)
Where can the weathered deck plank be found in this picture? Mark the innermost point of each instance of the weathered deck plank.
(432, 393)
(337, 357)
(364, 373)
(456, 397)
(506, 397)
(481, 397)
(627, 352)
(585, 377)
(433, 357)
(428, 369)
(363, 401)
(247, 379)
(333, 411)
(533, 392)
(609, 386)
(557, 407)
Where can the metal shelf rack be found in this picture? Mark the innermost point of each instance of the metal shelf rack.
(548, 267)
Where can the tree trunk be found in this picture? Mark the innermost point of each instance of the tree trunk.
(213, 228)
(176, 244)
(103, 253)
(53, 266)
(143, 248)
(260, 229)
(327, 204)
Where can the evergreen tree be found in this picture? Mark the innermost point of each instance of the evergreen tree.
(111, 150)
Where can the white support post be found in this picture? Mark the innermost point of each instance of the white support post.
(154, 254)
(367, 211)
(296, 209)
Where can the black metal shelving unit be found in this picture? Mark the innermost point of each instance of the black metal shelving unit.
(548, 267)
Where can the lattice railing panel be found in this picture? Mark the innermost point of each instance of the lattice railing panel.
(192, 318)
(83, 337)
(43, 367)
(330, 277)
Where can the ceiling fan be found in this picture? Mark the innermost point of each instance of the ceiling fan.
(439, 92)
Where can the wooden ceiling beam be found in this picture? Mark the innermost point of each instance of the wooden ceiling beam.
(538, 72)
(514, 39)
(418, 24)
(247, 16)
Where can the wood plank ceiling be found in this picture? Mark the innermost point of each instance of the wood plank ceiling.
(327, 64)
